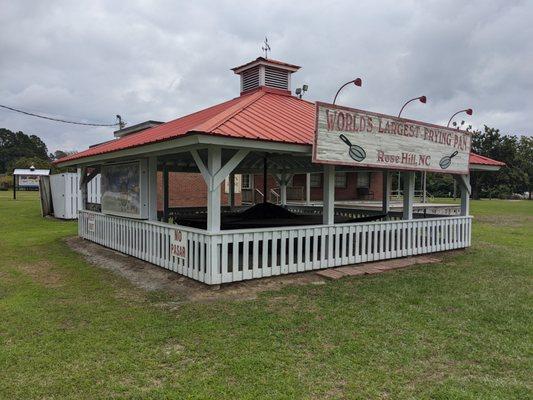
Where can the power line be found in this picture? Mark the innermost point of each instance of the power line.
(119, 123)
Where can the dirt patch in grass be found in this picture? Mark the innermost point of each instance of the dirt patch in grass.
(42, 273)
(505, 220)
(152, 278)
(172, 348)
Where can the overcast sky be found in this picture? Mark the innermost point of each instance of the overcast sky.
(90, 60)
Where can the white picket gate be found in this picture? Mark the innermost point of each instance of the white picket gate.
(236, 255)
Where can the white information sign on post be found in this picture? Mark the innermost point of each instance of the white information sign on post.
(347, 136)
(178, 245)
(91, 223)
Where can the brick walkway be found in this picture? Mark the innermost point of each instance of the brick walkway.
(375, 267)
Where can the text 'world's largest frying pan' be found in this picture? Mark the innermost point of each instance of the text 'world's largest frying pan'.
(356, 152)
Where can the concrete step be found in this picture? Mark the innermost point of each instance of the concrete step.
(375, 267)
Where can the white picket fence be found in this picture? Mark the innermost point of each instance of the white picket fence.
(236, 255)
(66, 192)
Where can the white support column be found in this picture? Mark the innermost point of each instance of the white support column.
(214, 163)
(283, 192)
(283, 180)
(386, 192)
(82, 193)
(464, 183)
(408, 194)
(214, 174)
(328, 213)
(465, 202)
(152, 188)
(308, 189)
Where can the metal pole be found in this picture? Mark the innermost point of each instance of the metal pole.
(399, 186)
(14, 187)
(424, 187)
(165, 194)
(265, 172)
(231, 191)
(356, 82)
(421, 98)
(307, 189)
(386, 192)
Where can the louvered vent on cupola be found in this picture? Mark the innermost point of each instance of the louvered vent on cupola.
(276, 78)
(250, 79)
(265, 72)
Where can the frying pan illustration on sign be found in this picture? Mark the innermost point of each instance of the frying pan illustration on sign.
(356, 152)
(447, 160)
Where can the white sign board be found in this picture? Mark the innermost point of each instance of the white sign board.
(28, 181)
(178, 245)
(91, 224)
(124, 189)
(347, 136)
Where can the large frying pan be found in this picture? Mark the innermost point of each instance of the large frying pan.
(356, 152)
(447, 160)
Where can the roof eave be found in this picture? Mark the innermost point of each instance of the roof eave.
(261, 61)
(484, 167)
(189, 141)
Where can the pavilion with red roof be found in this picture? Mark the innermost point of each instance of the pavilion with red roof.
(266, 130)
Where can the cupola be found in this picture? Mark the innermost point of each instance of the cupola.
(264, 72)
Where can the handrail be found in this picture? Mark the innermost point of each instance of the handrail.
(281, 228)
(154, 223)
(372, 223)
(278, 196)
(260, 194)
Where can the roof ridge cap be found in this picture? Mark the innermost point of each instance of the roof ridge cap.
(218, 120)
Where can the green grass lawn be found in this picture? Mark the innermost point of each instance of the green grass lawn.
(457, 330)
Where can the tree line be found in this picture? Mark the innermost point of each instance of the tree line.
(18, 150)
(513, 179)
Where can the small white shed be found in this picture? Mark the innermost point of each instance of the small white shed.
(65, 190)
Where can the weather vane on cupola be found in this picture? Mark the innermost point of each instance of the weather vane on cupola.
(266, 47)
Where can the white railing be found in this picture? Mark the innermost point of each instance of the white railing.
(236, 255)
(149, 241)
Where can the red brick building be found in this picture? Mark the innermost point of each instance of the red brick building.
(190, 190)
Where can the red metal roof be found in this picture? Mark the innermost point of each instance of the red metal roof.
(265, 114)
(482, 160)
